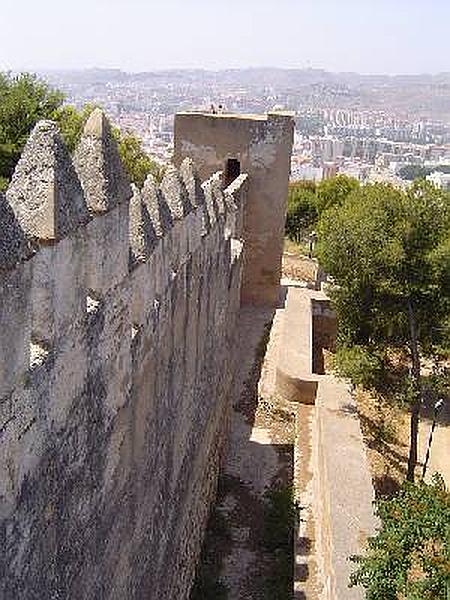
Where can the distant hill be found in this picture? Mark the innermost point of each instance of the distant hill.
(422, 95)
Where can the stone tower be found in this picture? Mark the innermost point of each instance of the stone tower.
(260, 146)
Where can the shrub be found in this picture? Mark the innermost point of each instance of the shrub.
(409, 557)
(359, 364)
(280, 518)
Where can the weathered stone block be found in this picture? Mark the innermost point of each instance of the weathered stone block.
(107, 246)
(15, 325)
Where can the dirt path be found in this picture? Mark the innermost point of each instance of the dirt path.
(252, 547)
(260, 459)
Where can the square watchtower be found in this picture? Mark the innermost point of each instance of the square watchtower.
(261, 146)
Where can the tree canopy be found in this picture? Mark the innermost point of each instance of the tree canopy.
(136, 161)
(389, 253)
(409, 557)
(301, 209)
(25, 99)
(334, 191)
(307, 200)
(411, 172)
(385, 248)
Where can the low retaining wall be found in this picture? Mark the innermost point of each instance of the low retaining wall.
(295, 380)
(332, 482)
(343, 491)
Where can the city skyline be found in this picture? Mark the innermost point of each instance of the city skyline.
(365, 37)
(374, 129)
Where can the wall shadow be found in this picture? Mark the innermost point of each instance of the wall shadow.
(255, 497)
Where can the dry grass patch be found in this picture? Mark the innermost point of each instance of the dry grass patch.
(296, 264)
(385, 428)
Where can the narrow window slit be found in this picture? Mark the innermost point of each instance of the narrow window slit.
(232, 171)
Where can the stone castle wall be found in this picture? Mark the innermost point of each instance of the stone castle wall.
(118, 309)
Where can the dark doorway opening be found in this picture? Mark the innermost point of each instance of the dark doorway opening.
(232, 170)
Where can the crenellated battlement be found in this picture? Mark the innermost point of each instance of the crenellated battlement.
(78, 223)
(118, 321)
(52, 194)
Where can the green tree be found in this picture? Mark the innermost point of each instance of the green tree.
(301, 209)
(24, 100)
(334, 191)
(136, 161)
(409, 557)
(389, 253)
(306, 201)
(71, 122)
(411, 172)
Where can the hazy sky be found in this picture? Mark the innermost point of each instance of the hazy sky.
(370, 36)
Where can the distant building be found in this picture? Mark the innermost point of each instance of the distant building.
(306, 172)
(440, 180)
(329, 170)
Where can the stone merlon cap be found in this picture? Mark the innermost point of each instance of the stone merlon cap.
(142, 233)
(175, 194)
(192, 182)
(99, 167)
(45, 193)
(157, 208)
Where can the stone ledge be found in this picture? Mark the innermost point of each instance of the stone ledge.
(295, 380)
(332, 476)
(343, 491)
